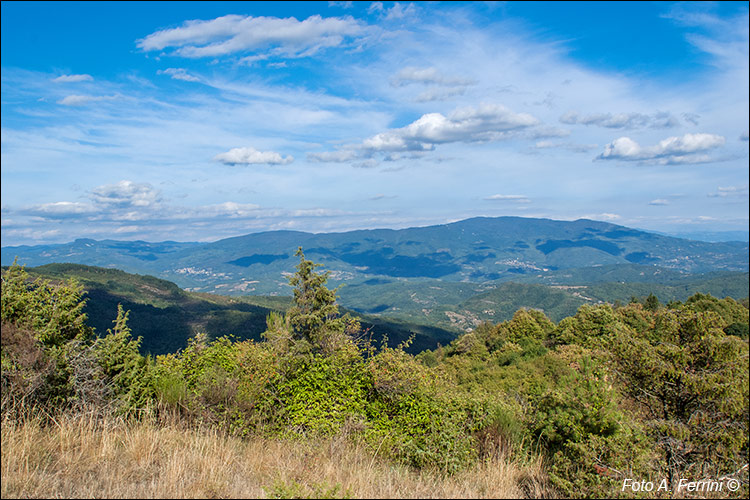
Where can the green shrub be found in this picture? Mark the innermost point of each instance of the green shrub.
(317, 396)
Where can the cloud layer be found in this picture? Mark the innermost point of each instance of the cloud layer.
(234, 34)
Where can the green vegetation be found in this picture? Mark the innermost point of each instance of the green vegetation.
(648, 390)
(166, 317)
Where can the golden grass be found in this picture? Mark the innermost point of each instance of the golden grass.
(83, 457)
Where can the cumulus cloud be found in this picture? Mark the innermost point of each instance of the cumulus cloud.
(179, 74)
(233, 34)
(487, 122)
(251, 156)
(125, 195)
(516, 198)
(622, 120)
(72, 78)
(673, 150)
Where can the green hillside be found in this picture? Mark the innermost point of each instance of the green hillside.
(167, 316)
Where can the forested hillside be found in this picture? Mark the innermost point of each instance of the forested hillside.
(474, 251)
(642, 391)
(166, 316)
(435, 312)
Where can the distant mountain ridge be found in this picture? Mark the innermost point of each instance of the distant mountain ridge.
(477, 250)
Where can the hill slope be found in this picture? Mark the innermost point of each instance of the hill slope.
(166, 316)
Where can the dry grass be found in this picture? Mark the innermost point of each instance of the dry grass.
(83, 457)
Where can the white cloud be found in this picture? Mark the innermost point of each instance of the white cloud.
(692, 118)
(382, 196)
(230, 209)
(668, 151)
(375, 7)
(398, 11)
(251, 156)
(730, 191)
(128, 229)
(73, 78)
(622, 120)
(517, 198)
(659, 202)
(608, 216)
(724, 38)
(440, 94)
(368, 163)
(236, 34)
(546, 132)
(82, 100)
(427, 76)
(179, 74)
(59, 209)
(442, 87)
(487, 122)
(126, 194)
(569, 146)
(343, 5)
(340, 156)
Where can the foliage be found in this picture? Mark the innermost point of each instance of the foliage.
(640, 390)
(124, 369)
(50, 355)
(690, 382)
(53, 312)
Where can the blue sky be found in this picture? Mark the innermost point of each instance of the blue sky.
(195, 121)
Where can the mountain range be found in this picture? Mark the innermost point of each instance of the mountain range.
(434, 282)
(478, 250)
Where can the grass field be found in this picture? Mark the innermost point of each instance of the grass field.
(85, 456)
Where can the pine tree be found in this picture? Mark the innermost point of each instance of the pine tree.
(315, 317)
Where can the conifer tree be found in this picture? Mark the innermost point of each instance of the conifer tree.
(315, 317)
(315, 306)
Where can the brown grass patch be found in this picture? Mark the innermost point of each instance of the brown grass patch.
(86, 456)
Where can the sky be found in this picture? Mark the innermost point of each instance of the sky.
(196, 121)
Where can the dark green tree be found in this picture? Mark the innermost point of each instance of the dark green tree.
(125, 370)
(651, 303)
(314, 318)
(689, 381)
